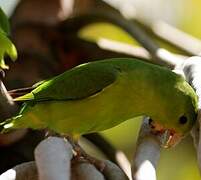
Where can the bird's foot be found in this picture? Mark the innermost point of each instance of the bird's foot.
(81, 155)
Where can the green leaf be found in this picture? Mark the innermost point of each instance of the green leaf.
(4, 23)
(6, 48)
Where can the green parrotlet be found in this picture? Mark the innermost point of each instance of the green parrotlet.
(99, 95)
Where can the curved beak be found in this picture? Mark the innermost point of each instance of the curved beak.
(170, 138)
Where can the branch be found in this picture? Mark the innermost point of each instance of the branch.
(192, 70)
(23, 171)
(158, 54)
(166, 32)
(7, 106)
(138, 52)
(124, 48)
(53, 157)
(176, 37)
(76, 23)
(113, 172)
(54, 160)
(147, 154)
(85, 171)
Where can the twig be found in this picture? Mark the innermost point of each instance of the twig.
(147, 154)
(171, 35)
(158, 54)
(162, 30)
(176, 37)
(80, 170)
(24, 171)
(7, 106)
(74, 24)
(113, 172)
(53, 157)
(8, 109)
(85, 171)
(120, 47)
(123, 163)
(134, 51)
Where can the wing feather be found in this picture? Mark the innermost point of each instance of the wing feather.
(78, 83)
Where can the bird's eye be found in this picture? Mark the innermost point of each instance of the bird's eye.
(150, 121)
(183, 120)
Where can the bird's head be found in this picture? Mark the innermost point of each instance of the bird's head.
(178, 116)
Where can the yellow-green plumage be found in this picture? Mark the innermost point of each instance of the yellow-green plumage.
(99, 95)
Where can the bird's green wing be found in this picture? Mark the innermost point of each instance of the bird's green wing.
(80, 82)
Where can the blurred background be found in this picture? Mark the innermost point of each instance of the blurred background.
(43, 52)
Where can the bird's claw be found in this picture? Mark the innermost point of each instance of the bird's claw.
(81, 155)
